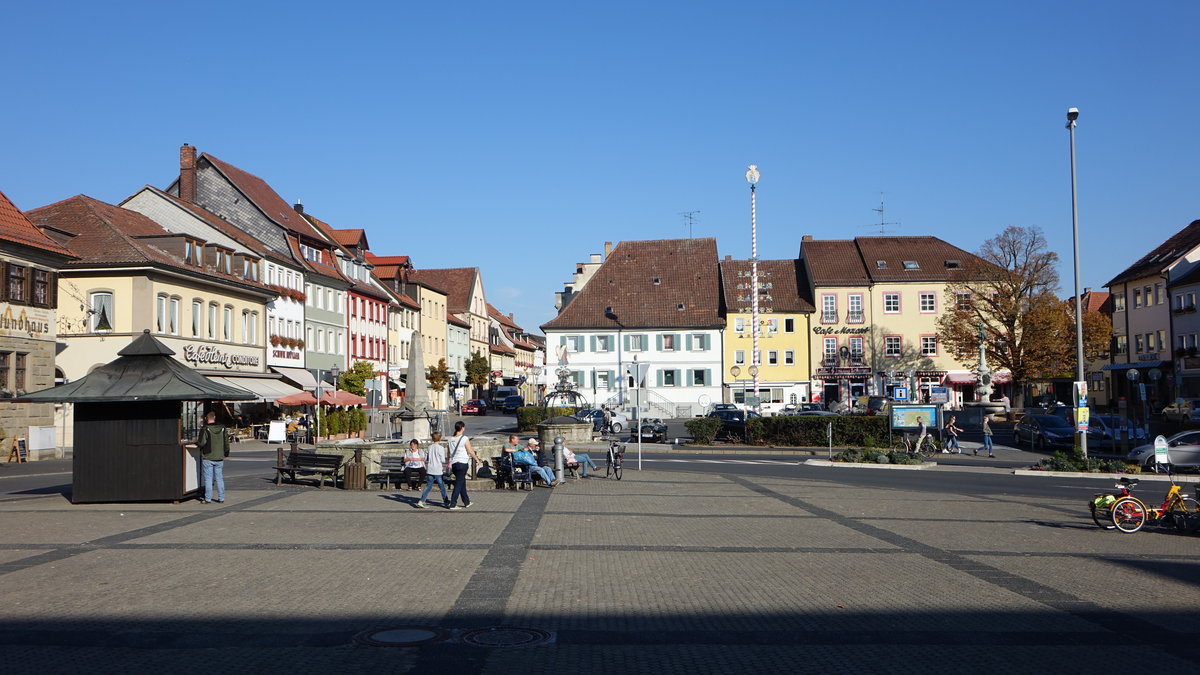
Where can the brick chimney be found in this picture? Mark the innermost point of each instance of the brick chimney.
(607, 249)
(187, 173)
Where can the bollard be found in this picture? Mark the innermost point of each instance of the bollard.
(558, 459)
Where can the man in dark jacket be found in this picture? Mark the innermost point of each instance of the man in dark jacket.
(214, 448)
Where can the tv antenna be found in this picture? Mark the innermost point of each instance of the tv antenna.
(883, 223)
(689, 219)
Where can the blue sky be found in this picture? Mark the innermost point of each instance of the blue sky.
(519, 137)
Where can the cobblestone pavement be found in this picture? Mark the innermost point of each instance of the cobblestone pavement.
(664, 572)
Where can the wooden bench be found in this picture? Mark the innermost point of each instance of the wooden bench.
(309, 463)
(390, 466)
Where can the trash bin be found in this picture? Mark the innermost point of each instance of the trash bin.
(356, 473)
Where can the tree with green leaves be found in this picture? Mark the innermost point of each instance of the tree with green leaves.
(479, 371)
(354, 380)
(438, 376)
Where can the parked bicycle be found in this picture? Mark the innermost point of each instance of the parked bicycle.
(616, 454)
(1125, 512)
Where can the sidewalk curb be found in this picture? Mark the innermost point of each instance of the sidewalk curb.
(865, 465)
(1108, 476)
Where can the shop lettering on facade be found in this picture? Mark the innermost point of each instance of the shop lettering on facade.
(30, 322)
(208, 354)
(844, 330)
(285, 354)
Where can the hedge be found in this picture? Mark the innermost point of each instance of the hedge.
(528, 417)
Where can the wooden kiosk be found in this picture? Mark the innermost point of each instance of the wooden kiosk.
(128, 425)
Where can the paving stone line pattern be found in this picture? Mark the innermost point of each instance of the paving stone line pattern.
(659, 572)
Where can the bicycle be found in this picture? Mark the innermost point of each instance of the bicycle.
(616, 454)
(906, 443)
(1127, 513)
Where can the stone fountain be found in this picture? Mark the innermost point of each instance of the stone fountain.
(984, 406)
(414, 415)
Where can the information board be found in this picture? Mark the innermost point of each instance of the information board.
(905, 416)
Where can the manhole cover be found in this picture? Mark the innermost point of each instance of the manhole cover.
(401, 636)
(505, 636)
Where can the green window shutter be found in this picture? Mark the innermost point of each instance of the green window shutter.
(678, 342)
(612, 379)
(658, 342)
(593, 341)
(705, 341)
(689, 342)
(679, 378)
(708, 376)
(659, 375)
(626, 342)
(562, 339)
(688, 381)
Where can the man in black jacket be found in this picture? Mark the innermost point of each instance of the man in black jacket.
(214, 448)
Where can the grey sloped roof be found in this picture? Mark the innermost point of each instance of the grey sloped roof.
(144, 371)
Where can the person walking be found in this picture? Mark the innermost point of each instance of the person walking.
(922, 432)
(214, 448)
(414, 465)
(952, 432)
(435, 463)
(461, 453)
(987, 437)
(607, 428)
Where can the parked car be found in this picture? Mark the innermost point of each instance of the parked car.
(654, 430)
(877, 405)
(499, 394)
(475, 406)
(1183, 449)
(1182, 410)
(726, 406)
(511, 403)
(596, 415)
(1102, 430)
(1043, 431)
(733, 422)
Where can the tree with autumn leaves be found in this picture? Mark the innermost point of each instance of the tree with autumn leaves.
(1012, 291)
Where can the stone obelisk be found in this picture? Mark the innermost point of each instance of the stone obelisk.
(414, 417)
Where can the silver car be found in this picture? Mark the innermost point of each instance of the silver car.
(1183, 450)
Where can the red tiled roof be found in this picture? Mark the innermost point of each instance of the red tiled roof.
(1162, 256)
(322, 268)
(224, 227)
(501, 317)
(834, 262)
(502, 349)
(450, 318)
(16, 227)
(266, 199)
(110, 235)
(1094, 301)
(779, 280)
(664, 283)
(407, 301)
(354, 237)
(387, 259)
(455, 282)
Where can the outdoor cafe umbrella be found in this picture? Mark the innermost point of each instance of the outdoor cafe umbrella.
(299, 398)
(340, 397)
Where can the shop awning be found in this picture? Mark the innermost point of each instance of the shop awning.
(961, 377)
(265, 388)
(301, 377)
(1127, 366)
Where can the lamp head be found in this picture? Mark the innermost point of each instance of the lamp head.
(1072, 114)
(752, 175)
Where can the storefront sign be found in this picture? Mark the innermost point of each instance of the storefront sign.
(844, 330)
(18, 321)
(207, 354)
(849, 371)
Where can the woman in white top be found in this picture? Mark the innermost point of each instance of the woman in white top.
(461, 453)
(414, 465)
(435, 459)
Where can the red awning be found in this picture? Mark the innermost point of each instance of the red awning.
(961, 378)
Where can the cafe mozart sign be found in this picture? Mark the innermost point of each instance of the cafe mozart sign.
(208, 354)
(844, 330)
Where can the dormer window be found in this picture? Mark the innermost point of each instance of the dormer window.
(680, 306)
(881, 264)
(911, 265)
(953, 264)
(656, 281)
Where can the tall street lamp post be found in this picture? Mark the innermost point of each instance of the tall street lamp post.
(1072, 115)
(752, 176)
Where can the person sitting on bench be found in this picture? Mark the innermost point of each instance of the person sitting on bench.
(414, 465)
(545, 472)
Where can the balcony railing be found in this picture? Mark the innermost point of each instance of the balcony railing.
(829, 317)
(855, 317)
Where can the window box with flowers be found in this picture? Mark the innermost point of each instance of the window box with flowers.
(276, 341)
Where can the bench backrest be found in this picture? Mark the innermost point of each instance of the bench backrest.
(315, 460)
(391, 463)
